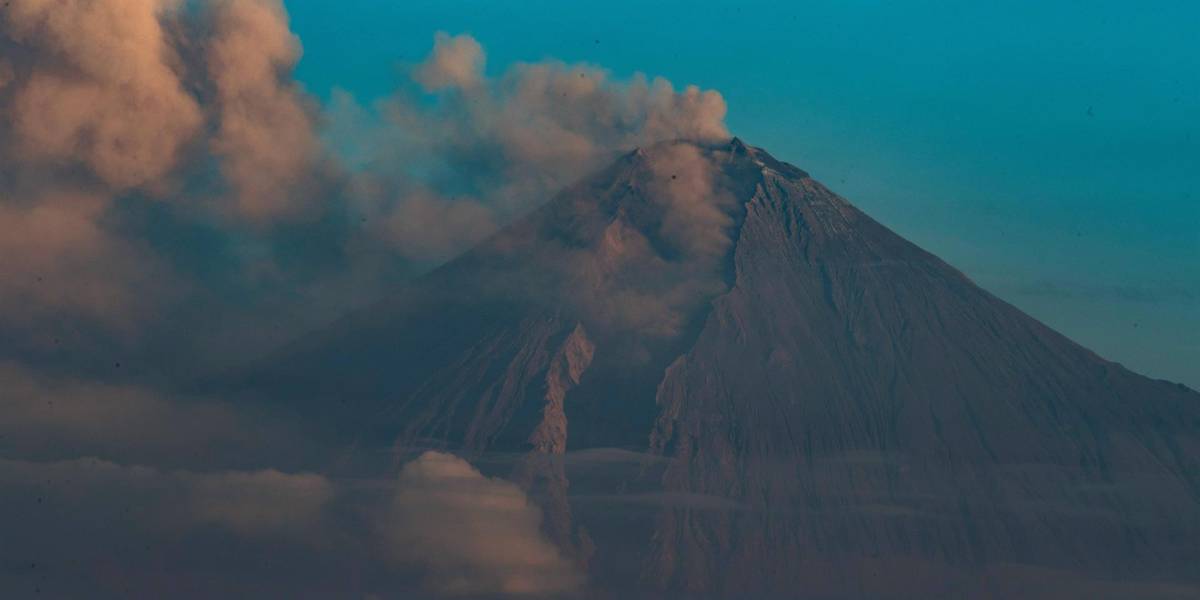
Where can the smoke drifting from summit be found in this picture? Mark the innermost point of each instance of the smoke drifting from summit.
(489, 149)
(127, 122)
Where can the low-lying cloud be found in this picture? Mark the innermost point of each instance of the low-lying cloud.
(252, 503)
(456, 63)
(94, 528)
(472, 534)
(439, 530)
(52, 416)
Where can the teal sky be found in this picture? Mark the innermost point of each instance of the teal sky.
(1051, 150)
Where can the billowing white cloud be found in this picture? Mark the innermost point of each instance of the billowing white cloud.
(101, 89)
(265, 134)
(456, 62)
(494, 148)
(473, 534)
(197, 105)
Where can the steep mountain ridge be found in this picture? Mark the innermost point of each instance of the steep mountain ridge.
(864, 399)
(825, 406)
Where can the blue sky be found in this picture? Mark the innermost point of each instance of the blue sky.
(1051, 150)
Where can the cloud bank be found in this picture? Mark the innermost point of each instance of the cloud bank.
(51, 416)
(265, 137)
(440, 530)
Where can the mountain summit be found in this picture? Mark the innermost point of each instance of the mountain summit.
(818, 406)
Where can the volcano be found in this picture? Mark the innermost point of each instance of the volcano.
(806, 404)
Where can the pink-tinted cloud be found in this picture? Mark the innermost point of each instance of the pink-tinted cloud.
(101, 89)
(455, 63)
(503, 145)
(57, 259)
(125, 102)
(265, 134)
(473, 535)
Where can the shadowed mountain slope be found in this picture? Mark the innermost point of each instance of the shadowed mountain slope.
(860, 419)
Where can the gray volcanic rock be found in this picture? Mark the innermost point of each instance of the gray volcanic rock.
(866, 401)
(834, 411)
